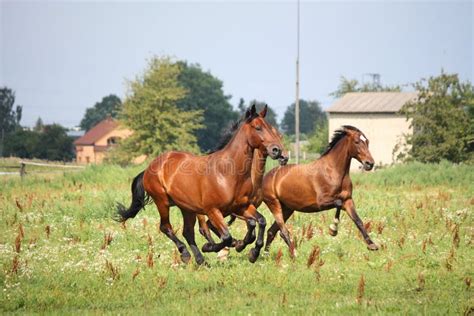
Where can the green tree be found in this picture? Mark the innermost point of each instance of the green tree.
(39, 125)
(51, 143)
(54, 144)
(271, 116)
(352, 85)
(442, 119)
(22, 144)
(318, 140)
(205, 93)
(311, 116)
(109, 106)
(151, 112)
(9, 116)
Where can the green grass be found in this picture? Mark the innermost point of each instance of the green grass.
(420, 215)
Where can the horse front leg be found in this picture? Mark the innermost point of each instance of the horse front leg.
(217, 220)
(250, 217)
(204, 229)
(349, 207)
(255, 252)
(188, 233)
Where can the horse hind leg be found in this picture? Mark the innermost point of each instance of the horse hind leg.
(271, 234)
(335, 224)
(162, 203)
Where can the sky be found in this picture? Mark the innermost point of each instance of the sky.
(61, 57)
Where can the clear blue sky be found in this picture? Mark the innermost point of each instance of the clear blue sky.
(61, 57)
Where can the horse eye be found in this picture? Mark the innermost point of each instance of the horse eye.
(258, 128)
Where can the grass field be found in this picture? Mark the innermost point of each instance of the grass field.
(60, 252)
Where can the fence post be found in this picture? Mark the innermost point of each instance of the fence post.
(22, 170)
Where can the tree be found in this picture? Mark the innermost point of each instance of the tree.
(9, 117)
(442, 120)
(205, 93)
(39, 125)
(109, 106)
(311, 115)
(271, 116)
(54, 144)
(352, 85)
(318, 140)
(22, 144)
(51, 143)
(151, 112)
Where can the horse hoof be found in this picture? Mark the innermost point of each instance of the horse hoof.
(207, 247)
(239, 246)
(185, 257)
(253, 255)
(200, 260)
(372, 247)
(333, 233)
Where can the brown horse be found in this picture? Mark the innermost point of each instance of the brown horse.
(321, 185)
(214, 185)
(255, 198)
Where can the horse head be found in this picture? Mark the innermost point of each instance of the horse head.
(262, 136)
(359, 147)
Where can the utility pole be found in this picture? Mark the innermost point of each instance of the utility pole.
(297, 102)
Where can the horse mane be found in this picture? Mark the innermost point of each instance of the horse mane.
(338, 135)
(230, 131)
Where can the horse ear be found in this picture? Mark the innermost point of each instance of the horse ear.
(248, 114)
(253, 110)
(251, 113)
(263, 113)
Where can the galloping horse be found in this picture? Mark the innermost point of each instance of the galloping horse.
(255, 198)
(214, 185)
(321, 185)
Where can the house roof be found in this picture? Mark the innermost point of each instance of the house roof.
(372, 102)
(97, 132)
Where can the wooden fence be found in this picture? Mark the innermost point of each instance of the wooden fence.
(22, 167)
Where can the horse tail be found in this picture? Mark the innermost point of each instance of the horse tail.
(139, 200)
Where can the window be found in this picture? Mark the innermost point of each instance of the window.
(112, 141)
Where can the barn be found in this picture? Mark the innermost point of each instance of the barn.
(377, 114)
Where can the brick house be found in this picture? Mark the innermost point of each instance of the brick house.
(92, 147)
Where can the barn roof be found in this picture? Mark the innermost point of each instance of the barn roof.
(371, 102)
(97, 132)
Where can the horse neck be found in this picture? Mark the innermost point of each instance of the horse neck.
(258, 168)
(239, 151)
(339, 158)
